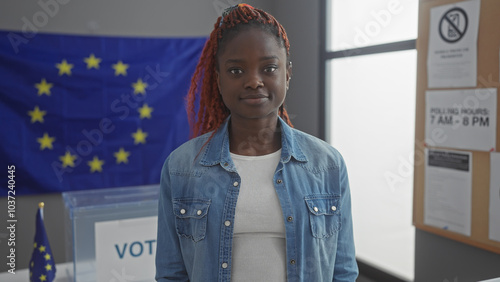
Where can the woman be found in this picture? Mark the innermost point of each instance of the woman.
(249, 198)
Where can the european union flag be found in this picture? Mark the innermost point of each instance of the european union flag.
(42, 265)
(86, 112)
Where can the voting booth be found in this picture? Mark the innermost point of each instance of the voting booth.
(111, 233)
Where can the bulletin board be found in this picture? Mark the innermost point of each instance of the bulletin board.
(488, 47)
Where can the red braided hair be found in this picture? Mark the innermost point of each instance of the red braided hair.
(205, 108)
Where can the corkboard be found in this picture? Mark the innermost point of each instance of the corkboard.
(487, 77)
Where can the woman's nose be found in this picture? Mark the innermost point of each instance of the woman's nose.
(254, 81)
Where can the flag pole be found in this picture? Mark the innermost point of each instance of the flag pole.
(41, 205)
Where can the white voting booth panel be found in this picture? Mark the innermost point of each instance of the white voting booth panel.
(111, 233)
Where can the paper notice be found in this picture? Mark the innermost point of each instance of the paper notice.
(452, 57)
(495, 196)
(448, 189)
(462, 119)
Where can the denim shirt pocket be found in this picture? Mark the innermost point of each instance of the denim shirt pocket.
(191, 217)
(324, 214)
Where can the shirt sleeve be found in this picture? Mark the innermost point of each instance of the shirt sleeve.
(346, 268)
(169, 262)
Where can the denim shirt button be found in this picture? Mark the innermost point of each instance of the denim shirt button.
(235, 184)
(289, 219)
(292, 261)
(199, 212)
(227, 223)
(183, 211)
(224, 265)
(279, 181)
(334, 208)
(315, 209)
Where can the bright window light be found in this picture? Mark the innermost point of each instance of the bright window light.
(361, 23)
(372, 111)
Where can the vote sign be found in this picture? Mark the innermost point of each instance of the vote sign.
(126, 249)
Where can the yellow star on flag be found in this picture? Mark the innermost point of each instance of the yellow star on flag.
(41, 249)
(95, 164)
(48, 267)
(122, 156)
(92, 61)
(120, 68)
(145, 111)
(47, 257)
(139, 87)
(36, 115)
(34, 245)
(68, 159)
(46, 141)
(43, 277)
(139, 136)
(43, 87)
(64, 67)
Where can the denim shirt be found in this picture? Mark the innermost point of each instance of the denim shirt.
(199, 189)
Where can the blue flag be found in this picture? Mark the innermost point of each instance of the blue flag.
(42, 265)
(87, 112)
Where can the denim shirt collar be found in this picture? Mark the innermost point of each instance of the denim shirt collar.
(217, 148)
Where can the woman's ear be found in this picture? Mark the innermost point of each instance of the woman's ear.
(288, 74)
(217, 77)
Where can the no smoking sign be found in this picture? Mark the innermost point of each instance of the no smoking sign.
(453, 25)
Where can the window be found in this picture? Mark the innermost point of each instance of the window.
(369, 82)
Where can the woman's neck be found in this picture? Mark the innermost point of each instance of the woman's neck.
(254, 137)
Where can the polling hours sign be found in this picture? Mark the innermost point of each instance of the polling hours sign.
(462, 119)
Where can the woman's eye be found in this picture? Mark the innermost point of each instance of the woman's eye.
(271, 69)
(235, 71)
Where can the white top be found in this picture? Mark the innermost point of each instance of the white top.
(259, 247)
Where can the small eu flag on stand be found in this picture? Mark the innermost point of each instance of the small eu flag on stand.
(42, 265)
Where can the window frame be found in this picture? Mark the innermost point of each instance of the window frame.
(326, 56)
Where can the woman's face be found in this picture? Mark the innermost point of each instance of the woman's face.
(253, 74)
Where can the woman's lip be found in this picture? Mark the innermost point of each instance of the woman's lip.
(255, 100)
(254, 96)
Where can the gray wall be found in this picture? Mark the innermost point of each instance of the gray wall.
(301, 21)
(442, 260)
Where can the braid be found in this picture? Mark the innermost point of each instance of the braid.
(205, 108)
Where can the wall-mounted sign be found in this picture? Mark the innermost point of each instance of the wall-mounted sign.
(462, 119)
(448, 190)
(452, 57)
(494, 229)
